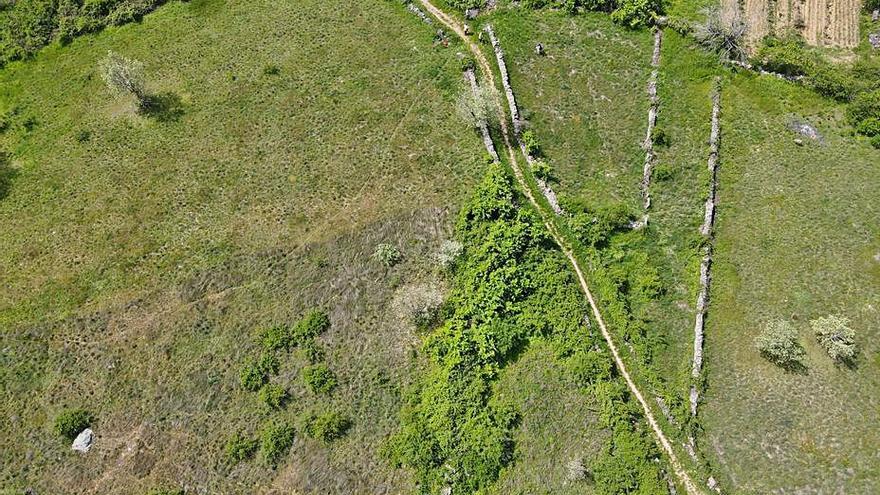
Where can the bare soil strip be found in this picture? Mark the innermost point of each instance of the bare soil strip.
(707, 231)
(652, 122)
(683, 477)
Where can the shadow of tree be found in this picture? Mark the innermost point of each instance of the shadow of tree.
(164, 107)
(7, 173)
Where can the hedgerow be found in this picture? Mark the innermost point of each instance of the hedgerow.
(29, 25)
(629, 13)
(508, 288)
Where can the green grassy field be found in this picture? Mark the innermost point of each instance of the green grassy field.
(797, 239)
(140, 254)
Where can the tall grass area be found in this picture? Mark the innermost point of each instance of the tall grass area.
(142, 254)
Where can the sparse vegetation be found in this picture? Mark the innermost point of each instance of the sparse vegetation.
(836, 337)
(723, 35)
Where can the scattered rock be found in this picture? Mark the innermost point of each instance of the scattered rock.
(804, 129)
(713, 484)
(447, 490)
(874, 40)
(467, 29)
(799, 141)
(471, 14)
(415, 10)
(83, 441)
(875, 16)
(576, 470)
(539, 49)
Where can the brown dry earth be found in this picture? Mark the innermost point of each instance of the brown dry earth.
(820, 22)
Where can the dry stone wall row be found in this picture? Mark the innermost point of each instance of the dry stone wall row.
(707, 231)
(546, 190)
(652, 122)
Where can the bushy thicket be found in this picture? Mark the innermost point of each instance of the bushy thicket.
(29, 25)
(629, 13)
(275, 440)
(239, 447)
(327, 426)
(508, 287)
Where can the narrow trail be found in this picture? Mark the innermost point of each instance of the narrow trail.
(486, 69)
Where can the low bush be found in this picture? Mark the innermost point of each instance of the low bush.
(326, 427)
(530, 141)
(273, 396)
(313, 324)
(778, 342)
(319, 379)
(239, 448)
(71, 422)
(251, 376)
(836, 337)
(313, 351)
(276, 338)
(275, 440)
(594, 226)
(387, 254)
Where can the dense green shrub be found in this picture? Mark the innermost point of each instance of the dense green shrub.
(30, 25)
(313, 324)
(254, 373)
(594, 226)
(863, 107)
(71, 422)
(272, 395)
(327, 426)
(836, 337)
(786, 55)
(277, 338)
(833, 82)
(275, 440)
(778, 342)
(239, 448)
(636, 13)
(319, 378)
(251, 376)
(530, 141)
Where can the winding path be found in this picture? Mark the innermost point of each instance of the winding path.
(486, 69)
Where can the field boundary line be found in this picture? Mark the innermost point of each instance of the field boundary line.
(661, 438)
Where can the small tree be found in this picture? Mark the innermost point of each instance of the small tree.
(723, 35)
(387, 254)
(778, 343)
(836, 337)
(475, 108)
(125, 76)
